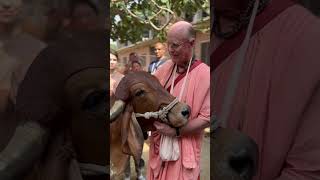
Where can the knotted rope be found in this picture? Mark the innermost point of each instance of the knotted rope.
(161, 114)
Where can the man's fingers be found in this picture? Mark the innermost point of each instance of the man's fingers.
(157, 124)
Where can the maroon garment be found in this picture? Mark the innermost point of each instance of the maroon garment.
(277, 101)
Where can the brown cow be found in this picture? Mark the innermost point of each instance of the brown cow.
(138, 92)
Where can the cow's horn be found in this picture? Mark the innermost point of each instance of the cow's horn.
(116, 109)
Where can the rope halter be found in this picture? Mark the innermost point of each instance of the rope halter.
(161, 114)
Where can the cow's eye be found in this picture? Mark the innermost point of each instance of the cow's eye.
(139, 93)
(95, 100)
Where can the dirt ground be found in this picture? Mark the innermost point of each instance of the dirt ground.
(205, 159)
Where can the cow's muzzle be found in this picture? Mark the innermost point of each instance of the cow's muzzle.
(163, 114)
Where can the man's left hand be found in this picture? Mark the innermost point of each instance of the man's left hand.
(164, 129)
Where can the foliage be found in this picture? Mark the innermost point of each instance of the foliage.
(131, 19)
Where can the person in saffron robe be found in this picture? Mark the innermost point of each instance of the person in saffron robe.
(277, 99)
(181, 40)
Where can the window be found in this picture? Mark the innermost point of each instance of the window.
(205, 52)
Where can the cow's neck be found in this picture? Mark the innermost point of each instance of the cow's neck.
(146, 124)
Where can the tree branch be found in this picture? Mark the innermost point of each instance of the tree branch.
(149, 20)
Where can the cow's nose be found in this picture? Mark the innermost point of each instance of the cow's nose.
(185, 112)
(243, 163)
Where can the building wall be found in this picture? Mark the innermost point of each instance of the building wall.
(201, 38)
(143, 50)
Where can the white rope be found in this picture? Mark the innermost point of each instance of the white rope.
(169, 146)
(161, 114)
(185, 79)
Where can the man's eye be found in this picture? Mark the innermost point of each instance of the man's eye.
(139, 93)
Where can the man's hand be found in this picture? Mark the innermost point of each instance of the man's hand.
(164, 129)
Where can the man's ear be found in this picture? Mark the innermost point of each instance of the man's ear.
(192, 42)
(131, 134)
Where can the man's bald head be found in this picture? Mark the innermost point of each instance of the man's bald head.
(182, 30)
(181, 41)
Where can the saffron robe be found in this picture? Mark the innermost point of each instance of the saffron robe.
(197, 96)
(277, 100)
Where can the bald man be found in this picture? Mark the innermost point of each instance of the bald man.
(160, 50)
(181, 41)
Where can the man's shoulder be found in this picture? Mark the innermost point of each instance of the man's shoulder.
(203, 66)
(166, 64)
(203, 70)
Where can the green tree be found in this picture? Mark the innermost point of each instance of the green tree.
(130, 19)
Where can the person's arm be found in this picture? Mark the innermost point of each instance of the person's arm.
(194, 126)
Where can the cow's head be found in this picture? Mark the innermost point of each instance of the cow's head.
(144, 93)
(85, 97)
(234, 155)
(140, 92)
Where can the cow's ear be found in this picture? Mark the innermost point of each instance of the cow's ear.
(131, 134)
(122, 90)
